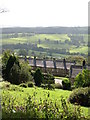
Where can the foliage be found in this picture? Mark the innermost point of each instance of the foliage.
(39, 109)
(25, 73)
(14, 75)
(81, 96)
(23, 52)
(5, 56)
(14, 71)
(51, 87)
(83, 79)
(48, 79)
(38, 77)
(20, 74)
(48, 86)
(30, 84)
(8, 64)
(66, 84)
(57, 45)
(77, 59)
(23, 85)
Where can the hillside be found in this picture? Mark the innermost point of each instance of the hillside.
(46, 30)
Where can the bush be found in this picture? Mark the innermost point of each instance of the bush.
(83, 79)
(5, 85)
(48, 79)
(81, 96)
(50, 87)
(25, 73)
(30, 84)
(66, 84)
(19, 74)
(23, 85)
(13, 71)
(43, 86)
(38, 77)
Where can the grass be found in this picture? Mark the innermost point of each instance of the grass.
(48, 41)
(40, 93)
(20, 94)
(82, 49)
(61, 78)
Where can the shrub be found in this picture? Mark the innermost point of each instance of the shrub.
(13, 71)
(43, 86)
(81, 96)
(82, 79)
(50, 87)
(25, 73)
(12, 60)
(38, 77)
(48, 79)
(79, 81)
(14, 76)
(5, 85)
(30, 84)
(66, 84)
(23, 85)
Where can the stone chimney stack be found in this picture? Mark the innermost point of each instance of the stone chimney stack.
(34, 61)
(64, 62)
(54, 63)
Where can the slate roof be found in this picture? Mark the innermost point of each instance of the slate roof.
(49, 63)
(39, 63)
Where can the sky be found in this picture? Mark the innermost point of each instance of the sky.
(37, 13)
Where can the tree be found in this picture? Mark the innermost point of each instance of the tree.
(13, 71)
(11, 61)
(83, 79)
(38, 77)
(8, 60)
(23, 52)
(79, 81)
(20, 74)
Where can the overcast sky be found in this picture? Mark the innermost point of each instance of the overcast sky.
(32, 13)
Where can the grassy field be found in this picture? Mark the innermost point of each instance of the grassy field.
(18, 95)
(83, 49)
(49, 41)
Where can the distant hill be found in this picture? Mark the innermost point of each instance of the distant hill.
(46, 30)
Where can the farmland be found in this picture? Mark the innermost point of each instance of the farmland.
(30, 93)
(49, 45)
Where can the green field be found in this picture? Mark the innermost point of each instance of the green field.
(82, 49)
(51, 44)
(18, 95)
